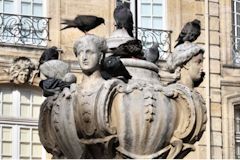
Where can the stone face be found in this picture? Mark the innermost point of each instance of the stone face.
(22, 70)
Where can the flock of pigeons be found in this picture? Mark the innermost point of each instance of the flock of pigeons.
(112, 66)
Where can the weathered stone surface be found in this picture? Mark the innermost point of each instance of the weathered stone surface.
(216, 124)
(215, 95)
(214, 23)
(214, 38)
(214, 52)
(216, 110)
(214, 9)
(202, 152)
(216, 139)
(215, 80)
(54, 69)
(118, 37)
(216, 152)
(201, 38)
(200, 7)
(217, 1)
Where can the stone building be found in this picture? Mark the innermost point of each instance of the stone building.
(27, 27)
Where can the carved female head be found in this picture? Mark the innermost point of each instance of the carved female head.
(21, 69)
(89, 50)
(188, 57)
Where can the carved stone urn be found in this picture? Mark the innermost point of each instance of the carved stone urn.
(142, 112)
(140, 118)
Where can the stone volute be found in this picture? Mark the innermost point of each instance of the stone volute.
(111, 118)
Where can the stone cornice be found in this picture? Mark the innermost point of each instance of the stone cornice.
(230, 81)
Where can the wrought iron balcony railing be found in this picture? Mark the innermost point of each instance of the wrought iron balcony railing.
(236, 50)
(163, 37)
(24, 30)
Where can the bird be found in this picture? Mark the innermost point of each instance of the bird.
(112, 66)
(83, 22)
(51, 86)
(152, 54)
(49, 54)
(130, 49)
(189, 32)
(123, 18)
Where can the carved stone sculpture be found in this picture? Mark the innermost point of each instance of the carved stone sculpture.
(22, 70)
(140, 118)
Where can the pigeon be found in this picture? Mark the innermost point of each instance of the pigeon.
(132, 48)
(83, 22)
(51, 86)
(190, 32)
(112, 66)
(49, 54)
(152, 54)
(123, 18)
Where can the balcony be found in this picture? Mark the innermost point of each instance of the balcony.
(163, 37)
(236, 50)
(24, 30)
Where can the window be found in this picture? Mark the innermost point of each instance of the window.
(237, 131)
(151, 22)
(20, 102)
(236, 31)
(19, 111)
(20, 142)
(6, 142)
(23, 22)
(151, 13)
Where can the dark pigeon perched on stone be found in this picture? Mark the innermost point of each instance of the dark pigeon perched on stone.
(123, 18)
(130, 49)
(49, 54)
(112, 66)
(83, 22)
(51, 86)
(190, 32)
(152, 54)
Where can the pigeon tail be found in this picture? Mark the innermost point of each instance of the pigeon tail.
(130, 32)
(178, 43)
(69, 24)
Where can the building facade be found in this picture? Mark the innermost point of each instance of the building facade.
(27, 27)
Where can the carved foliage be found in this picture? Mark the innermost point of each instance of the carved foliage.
(146, 115)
